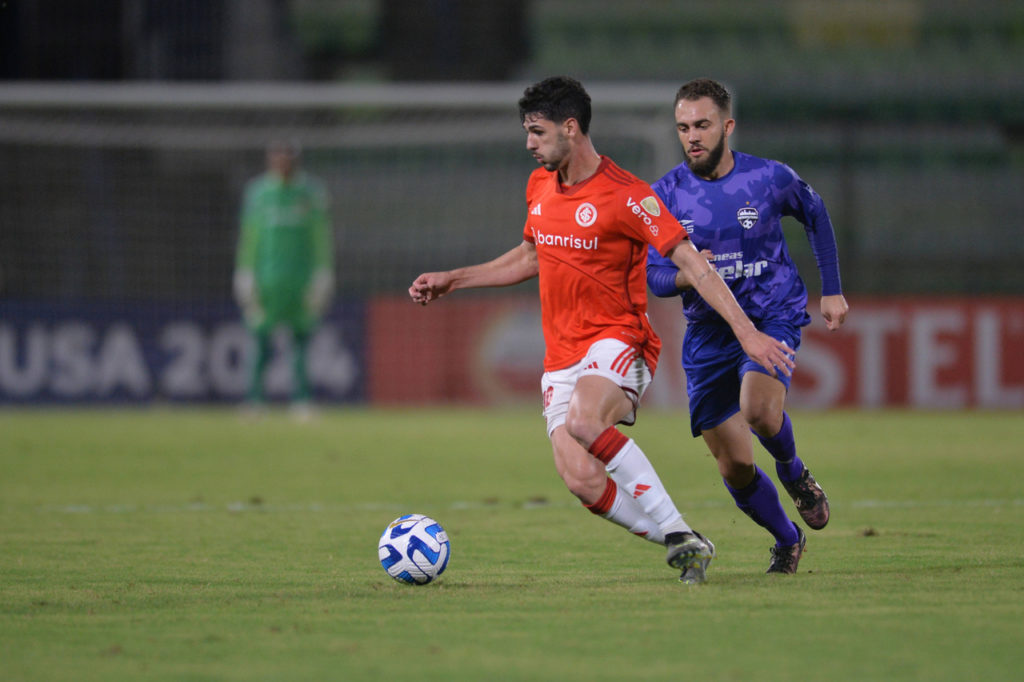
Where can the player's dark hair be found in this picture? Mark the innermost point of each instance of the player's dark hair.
(705, 87)
(557, 99)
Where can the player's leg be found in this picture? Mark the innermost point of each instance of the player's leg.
(585, 477)
(753, 491)
(293, 312)
(595, 406)
(607, 393)
(762, 401)
(260, 336)
(301, 336)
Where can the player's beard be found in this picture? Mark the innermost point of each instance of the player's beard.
(705, 167)
(555, 160)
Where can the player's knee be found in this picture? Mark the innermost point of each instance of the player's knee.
(763, 418)
(583, 428)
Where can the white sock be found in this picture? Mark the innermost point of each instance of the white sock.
(617, 506)
(628, 514)
(635, 476)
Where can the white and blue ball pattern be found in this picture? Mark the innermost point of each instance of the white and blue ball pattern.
(414, 549)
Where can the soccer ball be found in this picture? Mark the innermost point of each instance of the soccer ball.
(414, 549)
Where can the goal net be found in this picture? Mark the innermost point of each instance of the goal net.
(119, 206)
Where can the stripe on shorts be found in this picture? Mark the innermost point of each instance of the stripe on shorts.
(624, 361)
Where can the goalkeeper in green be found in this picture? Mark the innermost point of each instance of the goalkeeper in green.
(284, 268)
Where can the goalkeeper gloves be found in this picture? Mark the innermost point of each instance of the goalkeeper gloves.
(246, 295)
(319, 293)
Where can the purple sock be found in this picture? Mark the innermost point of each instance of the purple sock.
(760, 501)
(782, 447)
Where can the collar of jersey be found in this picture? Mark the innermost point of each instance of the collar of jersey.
(569, 190)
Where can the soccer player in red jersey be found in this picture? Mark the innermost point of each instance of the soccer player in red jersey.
(587, 229)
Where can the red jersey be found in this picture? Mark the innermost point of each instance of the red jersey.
(591, 241)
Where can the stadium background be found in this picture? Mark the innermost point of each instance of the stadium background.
(128, 128)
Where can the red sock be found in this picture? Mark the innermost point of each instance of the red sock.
(604, 503)
(608, 444)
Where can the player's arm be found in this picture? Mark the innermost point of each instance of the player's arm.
(323, 238)
(321, 283)
(807, 206)
(822, 238)
(514, 266)
(244, 280)
(248, 233)
(768, 352)
(663, 276)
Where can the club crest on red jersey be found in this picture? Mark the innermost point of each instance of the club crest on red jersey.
(586, 214)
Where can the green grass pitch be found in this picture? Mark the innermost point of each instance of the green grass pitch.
(194, 545)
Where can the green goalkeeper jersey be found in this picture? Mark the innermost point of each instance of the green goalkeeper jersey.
(285, 232)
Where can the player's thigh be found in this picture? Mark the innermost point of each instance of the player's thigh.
(556, 390)
(712, 358)
(613, 377)
(731, 444)
(762, 396)
(596, 403)
(730, 440)
(762, 399)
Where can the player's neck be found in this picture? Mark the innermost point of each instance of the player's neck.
(583, 162)
(724, 166)
(283, 178)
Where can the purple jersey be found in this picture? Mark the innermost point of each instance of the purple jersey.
(739, 218)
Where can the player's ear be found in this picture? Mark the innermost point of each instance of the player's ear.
(570, 127)
(729, 125)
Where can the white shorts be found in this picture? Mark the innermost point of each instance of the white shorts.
(608, 358)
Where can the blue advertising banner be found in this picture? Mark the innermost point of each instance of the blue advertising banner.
(60, 352)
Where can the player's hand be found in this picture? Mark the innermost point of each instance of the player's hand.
(834, 309)
(253, 313)
(243, 286)
(319, 292)
(247, 294)
(774, 355)
(429, 286)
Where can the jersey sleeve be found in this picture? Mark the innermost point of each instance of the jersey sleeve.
(649, 219)
(661, 271)
(806, 205)
(661, 274)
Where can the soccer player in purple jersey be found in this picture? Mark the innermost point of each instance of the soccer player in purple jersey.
(732, 205)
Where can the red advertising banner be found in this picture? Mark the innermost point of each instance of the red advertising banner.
(922, 353)
(941, 353)
(468, 350)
